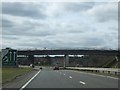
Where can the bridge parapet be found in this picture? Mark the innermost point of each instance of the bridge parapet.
(68, 52)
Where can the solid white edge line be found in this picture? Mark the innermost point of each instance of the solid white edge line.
(29, 80)
(82, 82)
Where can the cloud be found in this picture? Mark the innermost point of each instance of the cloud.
(23, 9)
(105, 11)
(63, 25)
(78, 7)
(6, 23)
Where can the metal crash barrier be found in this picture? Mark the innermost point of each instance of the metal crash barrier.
(101, 70)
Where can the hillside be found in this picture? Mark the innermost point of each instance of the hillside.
(96, 61)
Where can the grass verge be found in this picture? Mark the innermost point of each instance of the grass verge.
(8, 74)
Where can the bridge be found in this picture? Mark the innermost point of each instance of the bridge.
(31, 53)
(68, 52)
(11, 54)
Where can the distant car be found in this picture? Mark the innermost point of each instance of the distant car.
(56, 68)
(40, 67)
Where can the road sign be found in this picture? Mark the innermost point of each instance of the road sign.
(9, 57)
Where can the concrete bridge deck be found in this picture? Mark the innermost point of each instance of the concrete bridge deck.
(68, 52)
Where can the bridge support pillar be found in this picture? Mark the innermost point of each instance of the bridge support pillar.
(66, 60)
(31, 59)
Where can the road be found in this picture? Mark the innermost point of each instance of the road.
(49, 78)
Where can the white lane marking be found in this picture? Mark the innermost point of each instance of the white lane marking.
(97, 75)
(82, 82)
(29, 81)
(64, 74)
(70, 77)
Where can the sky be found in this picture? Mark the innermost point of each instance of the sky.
(59, 25)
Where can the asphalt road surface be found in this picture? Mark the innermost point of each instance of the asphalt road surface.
(49, 78)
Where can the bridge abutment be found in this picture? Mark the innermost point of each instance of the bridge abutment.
(31, 58)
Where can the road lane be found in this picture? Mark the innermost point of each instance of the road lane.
(92, 81)
(30, 80)
(49, 78)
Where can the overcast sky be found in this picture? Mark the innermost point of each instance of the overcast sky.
(60, 25)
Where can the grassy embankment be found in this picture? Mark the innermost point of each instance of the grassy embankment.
(9, 74)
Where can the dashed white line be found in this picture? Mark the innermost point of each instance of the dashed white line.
(82, 82)
(29, 81)
(70, 77)
(63, 74)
